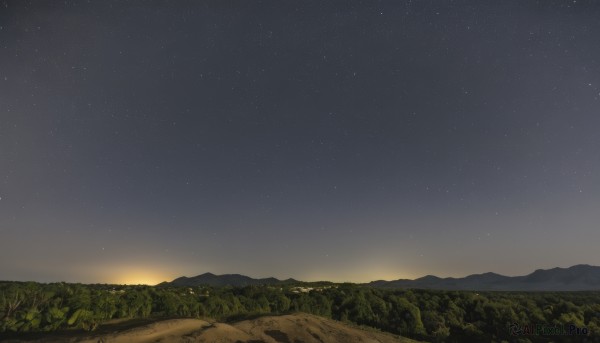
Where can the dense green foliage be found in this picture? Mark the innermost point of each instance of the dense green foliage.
(438, 316)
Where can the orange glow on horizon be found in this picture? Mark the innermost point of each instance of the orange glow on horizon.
(140, 279)
(138, 276)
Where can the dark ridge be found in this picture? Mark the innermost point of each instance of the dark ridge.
(580, 277)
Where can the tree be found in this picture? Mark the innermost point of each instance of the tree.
(11, 300)
(405, 317)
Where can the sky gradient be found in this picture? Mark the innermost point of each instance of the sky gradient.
(320, 140)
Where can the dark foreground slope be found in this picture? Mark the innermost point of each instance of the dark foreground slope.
(271, 329)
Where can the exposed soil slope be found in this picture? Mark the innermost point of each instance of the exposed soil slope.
(296, 328)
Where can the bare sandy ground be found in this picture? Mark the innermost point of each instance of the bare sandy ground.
(296, 328)
(172, 330)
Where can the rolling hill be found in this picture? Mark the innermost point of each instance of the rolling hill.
(235, 280)
(581, 277)
(297, 327)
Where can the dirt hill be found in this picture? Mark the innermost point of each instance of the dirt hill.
(296, 328)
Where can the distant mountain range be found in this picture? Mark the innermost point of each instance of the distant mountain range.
(235, 280)
(581, 277)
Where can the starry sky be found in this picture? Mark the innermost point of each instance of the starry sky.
(320, 140)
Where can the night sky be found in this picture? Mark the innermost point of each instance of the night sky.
(339, 140)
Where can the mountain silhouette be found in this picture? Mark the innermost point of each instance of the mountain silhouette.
(235, 280)
(581, 277)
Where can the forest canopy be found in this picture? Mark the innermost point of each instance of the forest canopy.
(437, 316)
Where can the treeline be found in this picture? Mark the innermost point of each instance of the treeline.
(438, 316)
